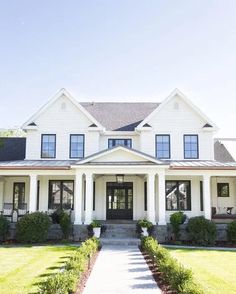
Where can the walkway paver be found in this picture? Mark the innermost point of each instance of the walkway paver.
(121, 270)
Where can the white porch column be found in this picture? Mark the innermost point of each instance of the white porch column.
(33, 193)
(89, 198)
(207, 196)
(78, 198)
(1, 192)
(151, 197)
(161, 198)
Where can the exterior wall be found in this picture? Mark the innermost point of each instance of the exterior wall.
(8, 188)
(195, 196)
(223, 201)
(61, 118)
(176, 119)
(138, 196)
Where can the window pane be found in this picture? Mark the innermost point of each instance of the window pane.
(67, 195)
(61, 195)
(19, 195)
(76, 146)
(119, 142)
(178, 195)
(163, 146)
(171, 196)
(48, 146)
(190, 146)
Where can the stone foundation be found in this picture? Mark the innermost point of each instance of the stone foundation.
(161, 233)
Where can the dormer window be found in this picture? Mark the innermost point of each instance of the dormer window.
(48, 146)
(119, 142)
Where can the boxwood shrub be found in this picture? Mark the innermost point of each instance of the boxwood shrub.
(178, 277)
(33, 228)
(201, 231)
(4, 227)
(177, 219)
(66, 280)
(231, 231)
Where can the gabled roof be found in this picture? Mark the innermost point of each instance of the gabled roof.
(175, 93)
(119, 116)
(12, 148)
(59, 94)
(143, 157)
(222, 153)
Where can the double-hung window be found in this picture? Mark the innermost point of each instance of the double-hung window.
(76, 146)
(191, 147)
(121, 142)
(48, 146)
(178, 195)
(163, 146)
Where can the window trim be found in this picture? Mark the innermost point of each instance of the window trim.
(55, 151)
(168, 135)
(196, 135)
(70, 145)
(111, 139)
(61, 181)
(190, 196)
(218, 189)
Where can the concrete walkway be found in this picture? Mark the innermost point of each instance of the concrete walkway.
(121, 270)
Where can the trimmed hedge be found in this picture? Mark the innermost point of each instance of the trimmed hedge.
(4, 227)
(66, 280)
(231, 231)
(201, 231)
(178, 277)
(177, 219)
(33, 228)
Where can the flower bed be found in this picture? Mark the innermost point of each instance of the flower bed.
(173, 273)
(68, 279)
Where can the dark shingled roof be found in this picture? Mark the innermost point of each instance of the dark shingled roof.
(12, 148)
(119, 116)
(221, 153)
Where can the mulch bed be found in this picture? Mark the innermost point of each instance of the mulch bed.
(157, 275)
(84, 277)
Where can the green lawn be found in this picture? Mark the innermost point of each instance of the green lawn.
(214, 270)
(21, 268)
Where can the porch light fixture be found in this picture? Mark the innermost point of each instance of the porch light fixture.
(120, 179)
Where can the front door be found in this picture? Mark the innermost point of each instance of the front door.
(119, 201)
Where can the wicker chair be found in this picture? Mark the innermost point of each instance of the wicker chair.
(8, 211)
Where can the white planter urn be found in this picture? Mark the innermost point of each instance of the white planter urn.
(97, 232)
(145, 232)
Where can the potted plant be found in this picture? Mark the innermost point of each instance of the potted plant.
(95, 226)
(144, 227)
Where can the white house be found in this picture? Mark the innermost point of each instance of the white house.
(120, 161)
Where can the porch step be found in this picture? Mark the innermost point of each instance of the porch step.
(121, 241)
(120, 231)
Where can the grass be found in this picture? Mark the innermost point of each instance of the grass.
(214, 270)
(23, 268)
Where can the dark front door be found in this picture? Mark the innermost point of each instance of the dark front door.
(119, 201)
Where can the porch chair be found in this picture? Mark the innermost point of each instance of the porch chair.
(22, 210)
(7, 211)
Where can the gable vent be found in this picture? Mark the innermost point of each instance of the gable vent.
(63, 106)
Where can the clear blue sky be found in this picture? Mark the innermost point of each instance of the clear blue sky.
(118, 50)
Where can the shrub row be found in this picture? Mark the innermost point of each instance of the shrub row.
(65, 281)
(179, 278)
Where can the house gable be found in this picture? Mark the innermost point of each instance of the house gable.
(61, 102)
(120, 154)
(173, 107)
